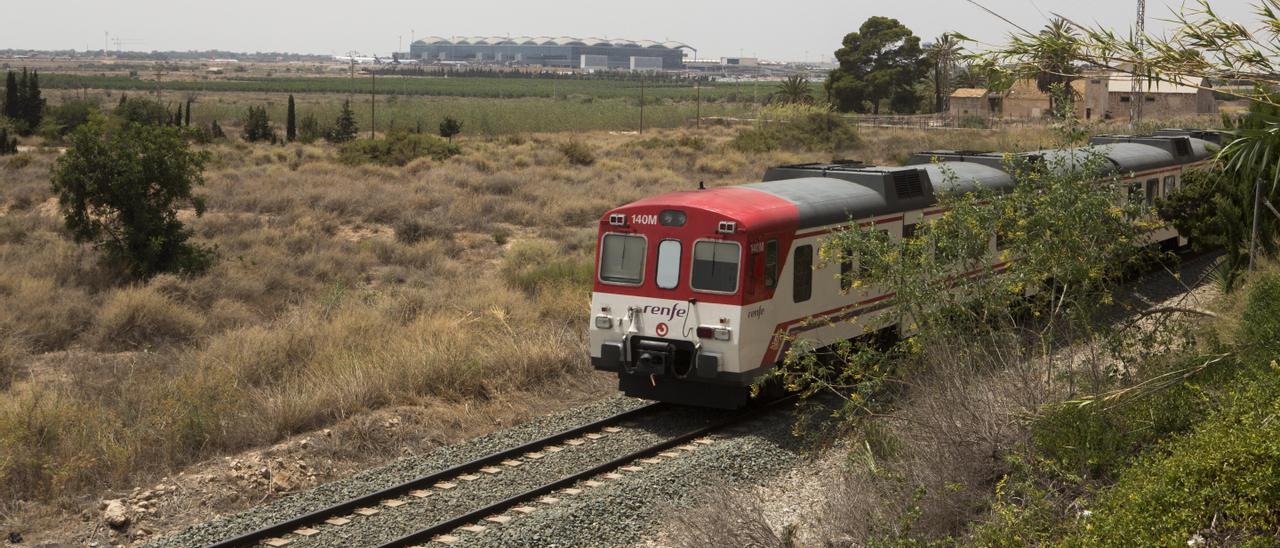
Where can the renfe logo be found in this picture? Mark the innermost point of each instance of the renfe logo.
(669, 312)
(644, 219)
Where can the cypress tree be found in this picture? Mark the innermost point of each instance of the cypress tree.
(291, 123)
(123, 97)
(177, 116)
(187, 121)
(11, 98)
(33, 105)
(20, 107)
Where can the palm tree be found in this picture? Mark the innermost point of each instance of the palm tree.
(968, 75)
(794, 90)
(943, 53)
(1055, 58)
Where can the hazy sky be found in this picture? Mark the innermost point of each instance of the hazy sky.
(783, 30)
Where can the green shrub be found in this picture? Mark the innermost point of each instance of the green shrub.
(684, 141)
(397, 149)
(449, 127)
(1225, 476)
(344, 128)
(412, 231)
(257, 125)
(812, 131)
(310, 130)
(69, 116)
(578, 153)
(1260, 320)
(533, 266)
(142, 111)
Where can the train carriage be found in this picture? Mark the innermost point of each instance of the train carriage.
(697, 293)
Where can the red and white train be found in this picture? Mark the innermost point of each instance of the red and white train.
(697, 293)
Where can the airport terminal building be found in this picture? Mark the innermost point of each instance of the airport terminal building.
(564, 51)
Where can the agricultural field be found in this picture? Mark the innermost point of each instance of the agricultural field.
(495, 87)
(480, 115)
(456, 286)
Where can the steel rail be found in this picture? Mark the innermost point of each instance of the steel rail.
(342, 508)
(428, 533)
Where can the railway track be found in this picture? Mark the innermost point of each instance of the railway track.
(312, 527)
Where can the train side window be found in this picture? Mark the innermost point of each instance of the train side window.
(1170, 185)
(802, 289)
(668, 264)
(771, 264)
(1153, 189)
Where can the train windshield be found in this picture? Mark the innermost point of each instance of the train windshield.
(622, 259)
(715, 266)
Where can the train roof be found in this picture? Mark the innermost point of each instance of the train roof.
(822, 194)
(1126, 154)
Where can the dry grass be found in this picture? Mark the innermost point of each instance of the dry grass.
(340, 289)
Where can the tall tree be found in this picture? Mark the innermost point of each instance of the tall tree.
(882, 61)
(257, 125)
(942, 54)
(32, 103)
(12, 95)
(121, 188)
(345, 128)
(290, 122)
(187, 120)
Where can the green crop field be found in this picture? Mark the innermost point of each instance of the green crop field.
(485, 87)
(478, 115)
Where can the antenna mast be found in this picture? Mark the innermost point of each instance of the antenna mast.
(1140, 32)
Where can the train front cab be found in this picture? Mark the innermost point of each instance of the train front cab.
(667, 308)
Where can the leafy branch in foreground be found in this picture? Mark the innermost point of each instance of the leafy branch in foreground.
(1202, 45)
(1064, 240)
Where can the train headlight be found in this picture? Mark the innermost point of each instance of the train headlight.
(604, 322)
(717, 333)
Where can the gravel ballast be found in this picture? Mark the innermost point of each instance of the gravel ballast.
(652, 486)
(392, 474)
(622, 512)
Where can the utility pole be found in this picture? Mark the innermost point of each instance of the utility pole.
(1135, 102)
